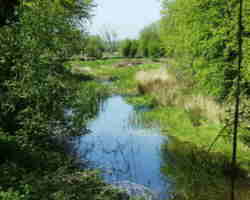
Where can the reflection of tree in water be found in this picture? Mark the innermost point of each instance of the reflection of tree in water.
(117, 161)
(197, 175)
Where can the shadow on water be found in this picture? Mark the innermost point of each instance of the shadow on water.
(198, 175)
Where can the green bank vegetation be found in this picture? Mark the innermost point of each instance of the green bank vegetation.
(199, 174)
(36, 89)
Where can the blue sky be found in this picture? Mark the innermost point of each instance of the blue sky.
(126, 17)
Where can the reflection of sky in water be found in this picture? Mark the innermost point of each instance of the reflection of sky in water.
(122, 147)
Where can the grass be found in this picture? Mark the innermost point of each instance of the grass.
(168, 90)
(123, 77)
(141, 100)
(176, 122)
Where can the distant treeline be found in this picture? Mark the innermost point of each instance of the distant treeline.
(147, 45)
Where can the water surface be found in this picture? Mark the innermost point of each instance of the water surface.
(123, 147)
(126, 149)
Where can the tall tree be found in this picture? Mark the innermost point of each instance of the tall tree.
(237, 96)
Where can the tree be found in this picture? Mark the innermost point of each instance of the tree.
(109, 36)
(125, 47)
(36, 88)
(201, 34)
(209, 39)
(149, 41)
(129, 48)
(95, 47)
(237, 98)
(29, 51)
(133, 48)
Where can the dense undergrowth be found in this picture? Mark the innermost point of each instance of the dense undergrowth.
(36, 91)
(202, 37)
(43, 170)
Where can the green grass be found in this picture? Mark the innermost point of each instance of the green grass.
(124, 81)
(141, 100)
(177, 123)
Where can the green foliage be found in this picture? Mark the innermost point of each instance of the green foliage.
(129, 48)
(125, 48)
(95, 47)
(36, 91)
(11, 196)
(202, 36)
(133, 49)
(32, 74)
(149, 42)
